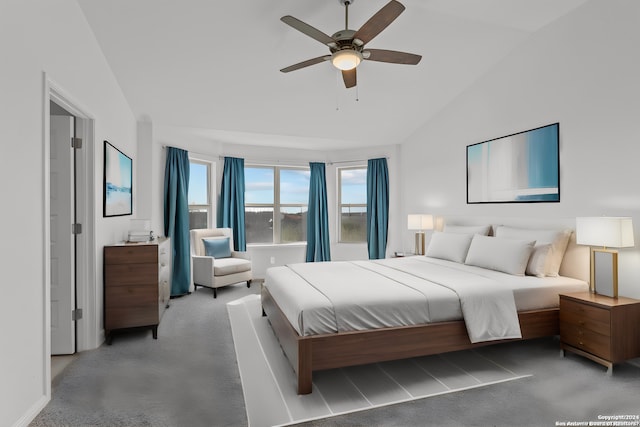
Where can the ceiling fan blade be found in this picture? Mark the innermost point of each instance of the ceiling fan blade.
(379, 21)
(392, 56)
(307, 29)
(349, 77)
(306, 63)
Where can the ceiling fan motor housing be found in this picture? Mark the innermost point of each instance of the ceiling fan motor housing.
(344, 40)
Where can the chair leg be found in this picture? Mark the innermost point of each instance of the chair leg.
(215, 293)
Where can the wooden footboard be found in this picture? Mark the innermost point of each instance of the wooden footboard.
(317, 352)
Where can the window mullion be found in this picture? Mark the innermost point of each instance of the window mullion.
(276, 205)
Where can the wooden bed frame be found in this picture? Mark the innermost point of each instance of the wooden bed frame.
(327, 351)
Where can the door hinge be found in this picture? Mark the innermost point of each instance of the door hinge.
(76, 314)
(76, 143)
(76, 228)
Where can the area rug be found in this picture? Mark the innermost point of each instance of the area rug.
(269, 382)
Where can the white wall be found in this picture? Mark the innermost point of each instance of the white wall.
(39, 36)
(208, 149)
(581, 71)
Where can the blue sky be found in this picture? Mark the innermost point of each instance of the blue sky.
(197, 184)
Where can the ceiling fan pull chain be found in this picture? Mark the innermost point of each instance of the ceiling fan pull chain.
(357, 94)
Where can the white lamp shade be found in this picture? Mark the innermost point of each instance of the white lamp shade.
(420, 222)
(613, 232)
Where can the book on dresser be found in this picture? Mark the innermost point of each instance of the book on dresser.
(137, 285)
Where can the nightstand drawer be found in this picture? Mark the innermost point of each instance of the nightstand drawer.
(586, 340)
(585, 316)
(587, 323)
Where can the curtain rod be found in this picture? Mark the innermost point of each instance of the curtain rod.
(190, 152)
(272, 161)
(302, 161)
(357, 160)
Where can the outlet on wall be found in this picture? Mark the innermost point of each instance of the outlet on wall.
(272, 260)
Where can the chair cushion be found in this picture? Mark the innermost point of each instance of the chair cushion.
(226, 266)
(217, 247)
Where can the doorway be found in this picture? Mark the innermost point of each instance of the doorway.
(80, 291)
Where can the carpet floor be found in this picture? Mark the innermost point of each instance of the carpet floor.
(190, 377)
(187, 377)
(269, 382)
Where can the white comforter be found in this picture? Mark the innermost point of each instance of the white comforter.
(331, 297)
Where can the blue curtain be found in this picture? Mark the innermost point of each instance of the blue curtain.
(232, 201)
(377, 207)
(176, 218)
(318, 245)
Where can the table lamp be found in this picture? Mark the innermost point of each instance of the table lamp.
(604, 232)
(419, 222)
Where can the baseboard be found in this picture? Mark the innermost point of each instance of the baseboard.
(33, 412)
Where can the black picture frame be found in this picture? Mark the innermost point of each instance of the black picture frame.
(523, 167)
(117, 189)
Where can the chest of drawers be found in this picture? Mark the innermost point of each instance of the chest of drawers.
(137, 285)
(600, 328)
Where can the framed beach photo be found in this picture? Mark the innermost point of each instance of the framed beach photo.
(118, 185)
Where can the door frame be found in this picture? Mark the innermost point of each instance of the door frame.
(87, 329)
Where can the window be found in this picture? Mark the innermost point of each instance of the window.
(276, 201)
(200, 209)
(352, 184)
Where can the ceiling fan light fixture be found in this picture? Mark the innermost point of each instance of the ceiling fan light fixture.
(347, 59)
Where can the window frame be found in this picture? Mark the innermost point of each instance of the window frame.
(277, 205)
(350, 205)
(210, 208)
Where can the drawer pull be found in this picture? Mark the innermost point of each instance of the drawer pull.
(581, 343)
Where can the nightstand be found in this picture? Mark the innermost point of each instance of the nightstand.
(603, 329)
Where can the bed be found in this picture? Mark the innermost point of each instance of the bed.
(464, 293)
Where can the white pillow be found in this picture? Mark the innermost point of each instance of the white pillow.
(538, 261)
(558, 239)
(507, 255)
(449, 246)
(467, 229)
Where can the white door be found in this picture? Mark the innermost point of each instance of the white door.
(63, 333)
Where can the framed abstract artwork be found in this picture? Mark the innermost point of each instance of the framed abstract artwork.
(118, 186)
(520, 168)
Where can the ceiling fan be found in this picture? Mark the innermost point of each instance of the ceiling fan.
(348, 46)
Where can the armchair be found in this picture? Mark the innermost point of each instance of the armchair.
(215, 263)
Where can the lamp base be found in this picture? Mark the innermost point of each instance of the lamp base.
(419, 249)
(604, 272)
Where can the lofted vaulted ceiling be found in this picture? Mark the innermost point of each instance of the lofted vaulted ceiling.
(211, 68)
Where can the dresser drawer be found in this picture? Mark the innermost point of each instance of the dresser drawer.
(163, 254)
(131, 274)
(586, 340)
(585, 316)
(129, 306)
(131, 254)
